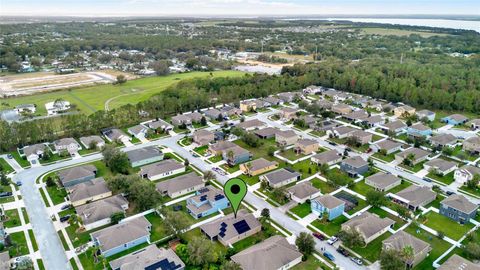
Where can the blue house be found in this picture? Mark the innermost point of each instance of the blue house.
(3, 234)
(236, 155)
(458, 208)
(120, 237)
(354, 166)
(328, 204)
(455, 119)
(419, 130)
(207, 201)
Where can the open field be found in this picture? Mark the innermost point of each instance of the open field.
(93, 98)
(397, 32)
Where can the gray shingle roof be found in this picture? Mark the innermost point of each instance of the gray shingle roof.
(179, 183)
(329, 201)
(383, 180)
(402, 239)
(458, 263)
(417, 195)
(280, 175)
(303, 190)
(212, 229)
(88, 189)
(70, 174)
(388, 144)
(146, 257)
(460, 203)
(368, 224)
(327, 156)
(161, 167)
(143, 153)
(101, 209)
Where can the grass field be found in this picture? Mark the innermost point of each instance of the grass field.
(93, 98)
(398, 32)
(449, 227)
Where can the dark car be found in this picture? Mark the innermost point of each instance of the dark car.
(449, 192)
(319, 236)
(332, 143)
(18, 183)
(6, 194)
(65, 218)
(66, 206)
(9, 156)
(343, 251)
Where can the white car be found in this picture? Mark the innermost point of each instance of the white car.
(332, 240)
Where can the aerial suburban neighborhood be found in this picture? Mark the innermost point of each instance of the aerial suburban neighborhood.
(239, 134)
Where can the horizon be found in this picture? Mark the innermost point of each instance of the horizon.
(236, 8)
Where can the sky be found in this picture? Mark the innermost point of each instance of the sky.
(95, 8)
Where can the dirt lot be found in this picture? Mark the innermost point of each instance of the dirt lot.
(32, 83)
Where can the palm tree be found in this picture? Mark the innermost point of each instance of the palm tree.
(230, 156)
(408, 254)
(209, 175)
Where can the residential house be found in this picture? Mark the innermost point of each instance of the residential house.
(273, 101)
(455, 119)
(280, 177)
(458, 208)
(266, 133)
(341, 132)
(272, 253)
(324, 104)
(213, 114)
(419, 130)
(161, 169)
(26, 108)
(376, 105)
(440, 166)
(251, 125)
(180, 185)
(394, 127)
(219, 147)
(206, 201)
(341, 109)
(150, 257)
(125, 235)
(145, 155)
(313, 90)
(368, 225)
(456, 262)
(138, 131)
(356, 116)
(443, 140)
(159, 125)
(288, 96)
(310, 121)
(248, 105)
(34, 152)
(306, 146)
(236, 155)
(361, 136)
(186, 119)
(230, 229)
(426, 114)
(374, 121)
(419, 155)
(354, 166)
(474, 124)
(115, 135)
(328, 204)
(66, 144)
(89, 191)
(403, 111)
(328, 157)
(76, 175)
(258, 166)
(414, 197)
(288, 113)
(388, 145)
(302, 192)
(94, 141)
(472, 145)
(286, 137)
(5, 260)
(203, 137)
(98, 213)
(230, 111)
(57, 106)
(465, 173)
(383, 181)
(400, 240)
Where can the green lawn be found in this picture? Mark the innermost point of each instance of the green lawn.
(449, 227)
(34, 241)
(415, 168)
(260, 151)
(5, 167)
(318, 133)
(190, 217)
(383, 214)
(62, 239)
(436, 203)
(19, 244)
(323, 186)
(202, 150)
(447, 179)
(475, 191)
(158, 228)
(13, 219)
(74, 264)
(21, 161)
(78, 237)
(25, 215)
(439, 246)
(361, 188)
(88, 261)
(42, 267)
(9, 198)
(311, 263)
(93, 98)
(330, 227)
(250, 180)
(265, 233)
(291, 155)
(216, 159)
(400, 187)
(188, 236)
(361, 204)
(53, 158)
(387, 158)
(57, 194)
(371, 252)
(459, 153)
(305, 168)
(301, 210)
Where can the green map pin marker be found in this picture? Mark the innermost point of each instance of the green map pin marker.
(235, 190)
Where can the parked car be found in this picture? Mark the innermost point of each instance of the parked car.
(356, 260)
(9, 156)
(5, 194)
(329, 256)
(449, 192)
(332, 240)
(320, 236)
(66, 206)
(18, 183)
(426, 179)
(65, 218)
(332, 143)
(343, 251)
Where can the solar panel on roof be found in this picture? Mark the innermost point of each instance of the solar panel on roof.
(203, 198)
(219, 197)
(241, 226)
(222, 234)
(223, 224)
(203, 190)
(163, 265)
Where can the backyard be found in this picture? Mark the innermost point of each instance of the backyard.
(371, 252)
(330, 227)
(444, 224)
(301, 210)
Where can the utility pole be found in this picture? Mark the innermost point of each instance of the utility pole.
(401, 58)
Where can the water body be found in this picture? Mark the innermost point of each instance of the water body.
(454, 24)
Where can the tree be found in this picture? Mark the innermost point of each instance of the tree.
(408, 253)
(116, 217)
(175, 222)
(305, 243)
(115, 159)
(161, 67)
(473, 184)
(271, 150)
(351, 238)
(402, 212)
(145, 195)
(121, 79)
(265, 213)
(230, 265)
(4, 179)
(323, 168)
(391, 259)
(51, 181)
(201, 251)
(203, 121)
(280, 195)
(376, 198)
(472, 251)
(186, 162)
(209, 175)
